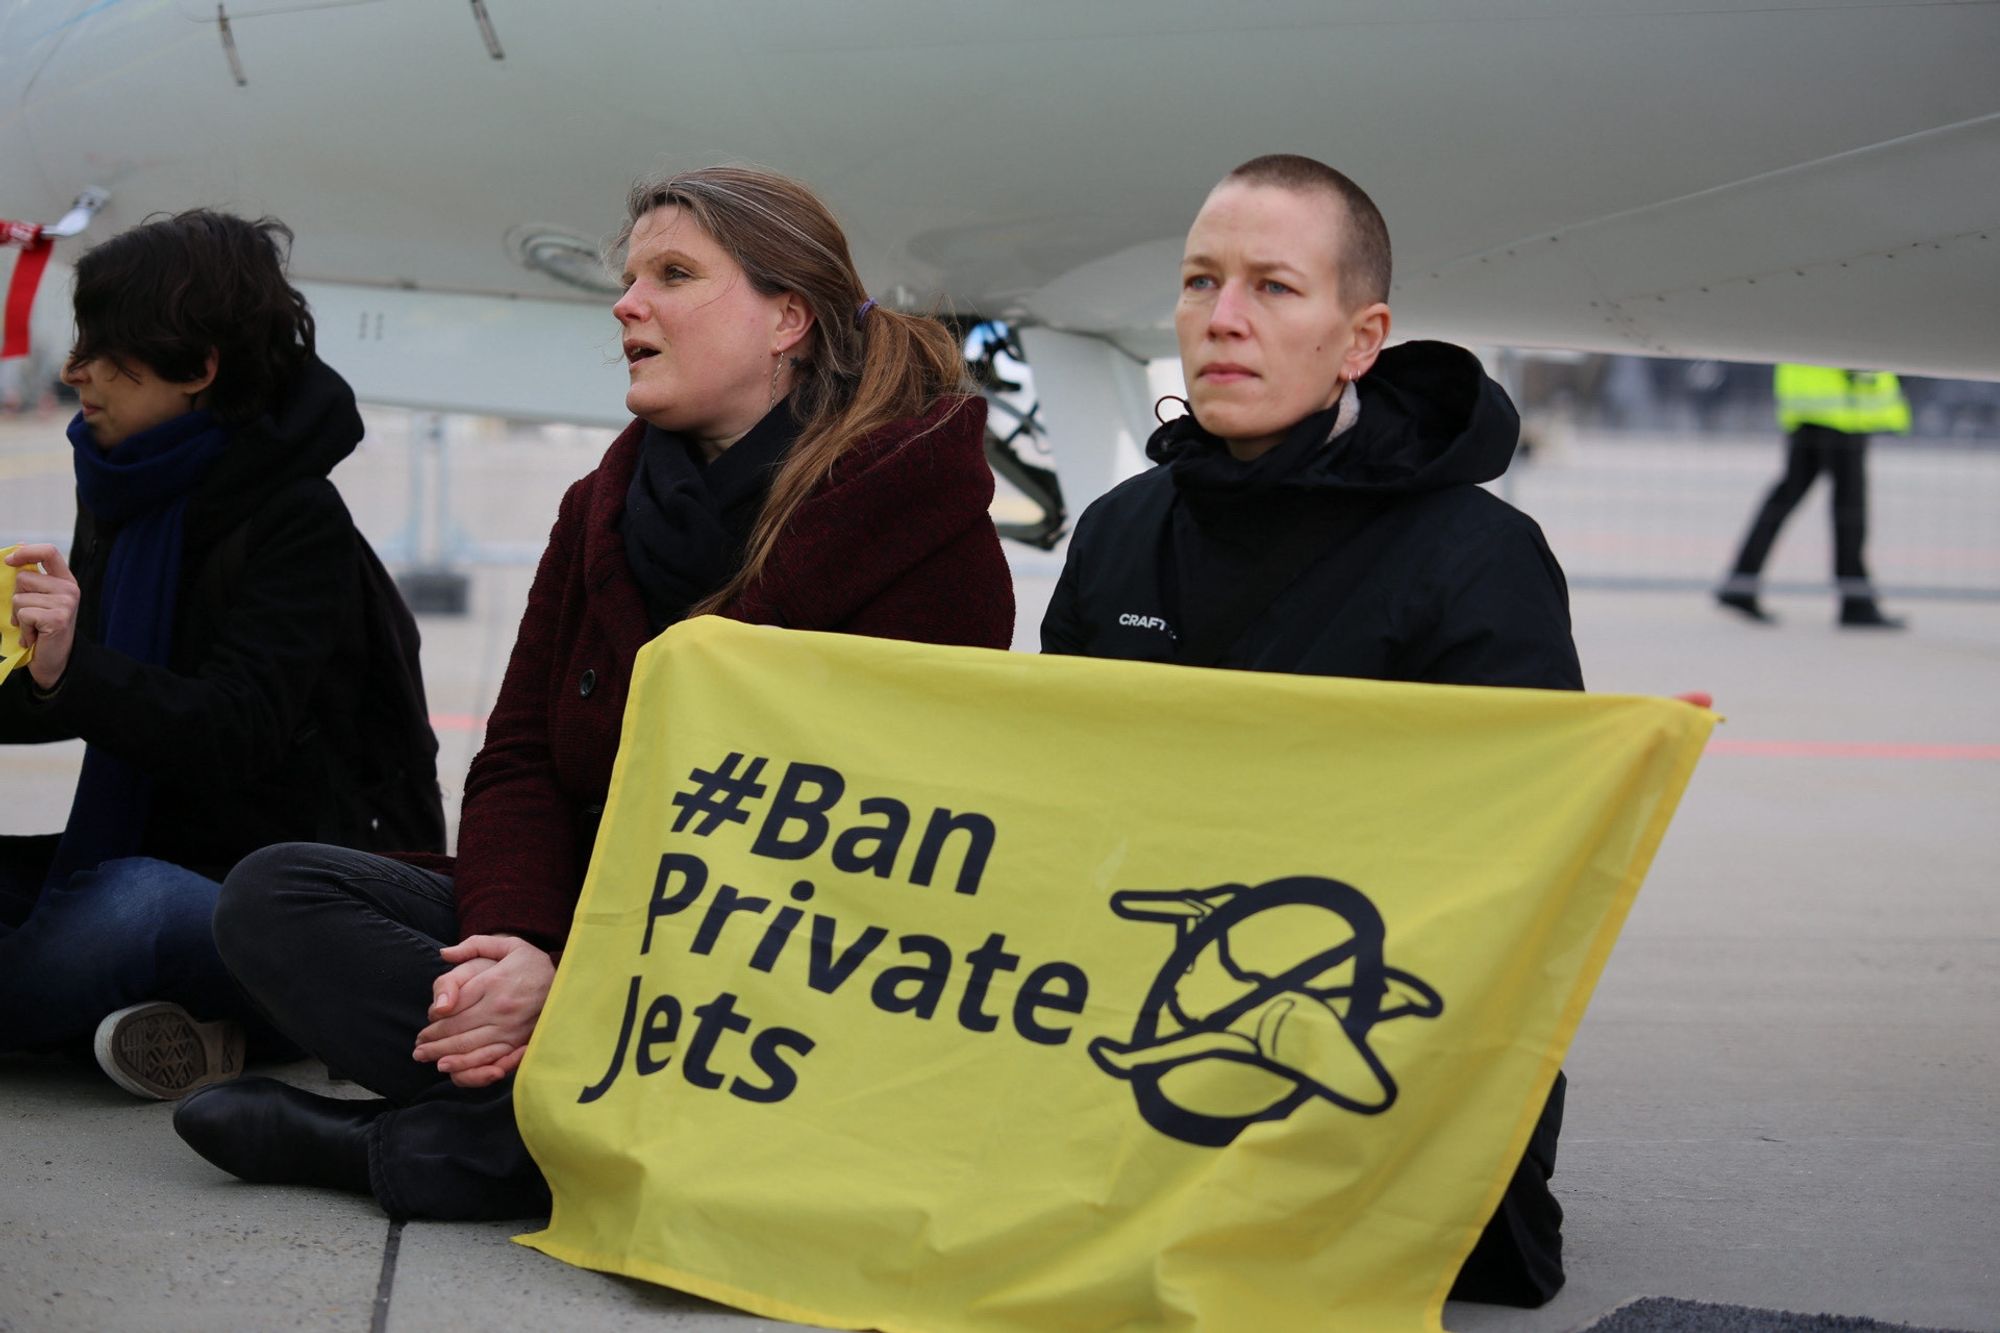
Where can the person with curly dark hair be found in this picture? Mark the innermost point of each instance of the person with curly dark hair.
(194, 637)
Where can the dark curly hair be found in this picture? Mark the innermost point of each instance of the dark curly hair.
(172, 289)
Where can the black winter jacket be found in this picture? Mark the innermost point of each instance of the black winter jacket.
(231, 729)
(1420, 575)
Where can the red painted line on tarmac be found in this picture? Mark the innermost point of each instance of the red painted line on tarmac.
(1850, 750)
(1750, 749)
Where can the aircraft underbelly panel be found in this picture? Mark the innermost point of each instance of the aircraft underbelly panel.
(1729, 179)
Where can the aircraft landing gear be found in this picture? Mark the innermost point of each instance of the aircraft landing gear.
(1019, 429)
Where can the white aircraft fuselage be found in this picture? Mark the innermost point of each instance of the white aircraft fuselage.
(1737, 179)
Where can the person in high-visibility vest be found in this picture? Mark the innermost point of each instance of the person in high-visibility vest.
(1828, 414)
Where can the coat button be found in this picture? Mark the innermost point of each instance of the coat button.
(587, 683)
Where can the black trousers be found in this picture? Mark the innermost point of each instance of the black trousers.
(1811, 451)
(339, 949)
(1518, 1259)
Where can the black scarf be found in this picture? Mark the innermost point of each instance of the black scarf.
(687, 520)
(1243, 528)
(1205, 473)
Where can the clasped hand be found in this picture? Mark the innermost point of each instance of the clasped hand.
(484, 1010)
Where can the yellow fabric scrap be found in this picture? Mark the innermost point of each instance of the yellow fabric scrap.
(12, 654)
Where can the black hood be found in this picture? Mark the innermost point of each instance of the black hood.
(304, 434)
(1430, 418)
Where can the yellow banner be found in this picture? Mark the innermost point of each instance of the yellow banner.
(12, 654)
(924, 988)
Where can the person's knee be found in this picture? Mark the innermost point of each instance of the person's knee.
(139, 898)
(258, 904)
(113, 930)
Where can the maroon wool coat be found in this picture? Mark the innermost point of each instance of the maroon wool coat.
(896, 543)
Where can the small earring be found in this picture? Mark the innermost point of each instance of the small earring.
(777, 369)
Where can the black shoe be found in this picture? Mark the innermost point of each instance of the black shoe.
(271, 1133)
(1862, 613)
(1746, 604)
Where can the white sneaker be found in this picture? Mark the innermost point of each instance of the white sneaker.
(158, 1050)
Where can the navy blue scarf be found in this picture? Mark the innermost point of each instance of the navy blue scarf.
(140, 489)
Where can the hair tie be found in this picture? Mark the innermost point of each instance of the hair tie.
(861, 311)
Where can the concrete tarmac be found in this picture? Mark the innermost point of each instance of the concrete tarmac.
(1786, 1092)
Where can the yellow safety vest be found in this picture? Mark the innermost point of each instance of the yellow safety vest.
(1860, 402)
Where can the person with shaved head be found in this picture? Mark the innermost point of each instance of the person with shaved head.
(1318, 509)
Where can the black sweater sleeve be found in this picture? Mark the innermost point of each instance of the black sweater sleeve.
(1502, 614)
(1060, 631)
(1063, 627)
(25, 720)
(244, 669)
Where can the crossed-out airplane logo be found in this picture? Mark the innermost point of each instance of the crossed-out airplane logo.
(1265, 1003)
